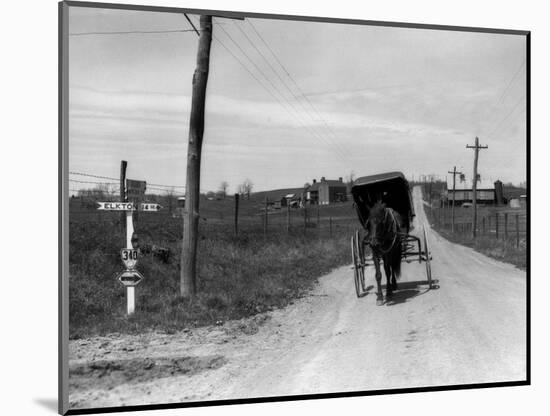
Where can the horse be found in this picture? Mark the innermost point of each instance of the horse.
(384, 237)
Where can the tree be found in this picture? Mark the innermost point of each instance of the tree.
(349, 180)
(245, 188)
(223, 188)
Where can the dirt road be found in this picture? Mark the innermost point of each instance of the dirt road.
(472, 329)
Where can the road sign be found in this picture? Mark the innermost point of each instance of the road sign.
(117, 206)
(130, 277)
(128, 206)
(135, 189)
(149, 207)
(129, 257)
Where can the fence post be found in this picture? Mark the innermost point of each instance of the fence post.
(265, 217)
(305, 219)
(483, 226)
(330, 226)
(517, 230)
(506, 225)
(288, 217)
(318, 221)
(496, 225)
(236, 214)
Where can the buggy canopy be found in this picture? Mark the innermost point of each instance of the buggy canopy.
(391, 188)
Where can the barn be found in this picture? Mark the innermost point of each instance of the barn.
(326, 191)
(464, 193)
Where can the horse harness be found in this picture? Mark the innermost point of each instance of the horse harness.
(394, 223)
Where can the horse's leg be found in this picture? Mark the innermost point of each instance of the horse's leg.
(379, 296)
(387, 269)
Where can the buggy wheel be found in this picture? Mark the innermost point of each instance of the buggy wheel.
(427, 258)
(358, 265)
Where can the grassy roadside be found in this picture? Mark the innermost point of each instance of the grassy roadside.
(238, 276)
(504, 250)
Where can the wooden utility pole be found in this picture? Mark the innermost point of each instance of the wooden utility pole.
(454, 173)
(476, 148)
(431, 181)
(188, 278)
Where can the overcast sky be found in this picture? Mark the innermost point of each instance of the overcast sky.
(351, 98)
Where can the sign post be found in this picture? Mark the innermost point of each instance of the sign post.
(129, 277)
(130, 290)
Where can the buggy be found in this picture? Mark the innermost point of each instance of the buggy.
(393, 190)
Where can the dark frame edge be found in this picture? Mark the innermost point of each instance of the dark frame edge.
(63, 150)
(180, 405)
(63, 209)
(528, 179)
(237, 14)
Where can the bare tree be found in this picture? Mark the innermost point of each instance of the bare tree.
(349, 180)
(223, 188)
(245, 188)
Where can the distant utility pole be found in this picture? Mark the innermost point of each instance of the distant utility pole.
(476, 148)
(188, 278)
(431, 181)
(454, 173)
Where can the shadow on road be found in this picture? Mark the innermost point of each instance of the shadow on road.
(407, 290)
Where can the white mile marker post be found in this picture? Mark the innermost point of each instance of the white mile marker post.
(130, 290)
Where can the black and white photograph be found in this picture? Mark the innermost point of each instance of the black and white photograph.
(267, 207)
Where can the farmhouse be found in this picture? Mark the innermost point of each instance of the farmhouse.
(291, 199)
(464, 193)
(326, 191)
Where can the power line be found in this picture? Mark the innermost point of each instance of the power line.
(497, 126)
(94, 183)
(244, 66)
(191, 23)
(294, 114)
(511, 81)
(166, 186)
(92, 176)
(132, 32)
(504, 92)
(296, 97)
(252, 74)
(110, 178)
(285, 70)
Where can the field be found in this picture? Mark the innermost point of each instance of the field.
(259, 269)
(501, 231)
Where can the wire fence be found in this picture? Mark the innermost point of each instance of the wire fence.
(252, 217)
(500, 223)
